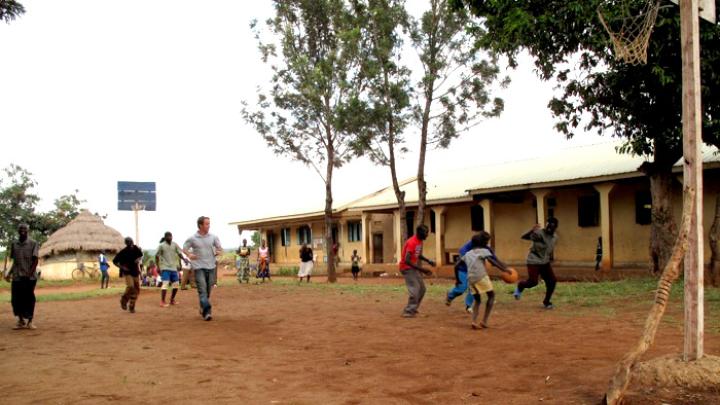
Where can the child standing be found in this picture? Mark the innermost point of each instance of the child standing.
(478, 279)
(306, 263)
(355, 269)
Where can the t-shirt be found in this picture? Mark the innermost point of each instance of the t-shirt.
(542, 247)
(203, 246)
(414, 247)
(466, 248)
(475, 261)
(169, 256)
(243, 251)
(306, 255)
(264, 252)
(22, 254)
(103, 262)
(355, 260)
(126, 259)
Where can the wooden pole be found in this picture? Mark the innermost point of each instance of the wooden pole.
(136, 209)
(692, 175)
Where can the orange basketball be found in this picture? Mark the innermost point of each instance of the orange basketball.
(511, 278)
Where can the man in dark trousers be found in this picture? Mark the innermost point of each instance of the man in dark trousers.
(24, 254)
(128, 260)
(411, 267)
(538, 260)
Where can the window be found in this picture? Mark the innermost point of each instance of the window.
(477, 218)
(643, 208)
(432, 221)
(304, 235)
(354, 231)
(588, 210)
(285, 237)
(410, 223)
(270, 243)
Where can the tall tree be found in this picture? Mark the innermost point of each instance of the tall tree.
(18, 204)
(10, 10)
(455, 90)
(641, 104)
(387, 89)
(312, 52)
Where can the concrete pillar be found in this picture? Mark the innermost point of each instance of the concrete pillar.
(340, 239)
(606, 224)
(365, 231)
(540, 197)
(439, 234)
(371, 245)
(486, 205)
(397, 234)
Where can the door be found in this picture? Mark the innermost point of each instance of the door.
(377, 248)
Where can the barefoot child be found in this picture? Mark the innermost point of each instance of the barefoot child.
(355, 269)
(478, 279)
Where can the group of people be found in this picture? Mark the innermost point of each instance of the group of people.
(201, 249)
(197, 258)
(471, 272)
(242, 263)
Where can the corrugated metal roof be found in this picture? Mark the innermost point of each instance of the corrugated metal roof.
(562, 166)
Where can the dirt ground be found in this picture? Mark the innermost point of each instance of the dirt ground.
(284, 344)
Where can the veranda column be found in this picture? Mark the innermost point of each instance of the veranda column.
(397, 233)
(606, 224)
(439, 234)
(365, 229)
(487, 216)
(540, 197)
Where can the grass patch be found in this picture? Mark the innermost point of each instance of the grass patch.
(71, 296)
(55, 283)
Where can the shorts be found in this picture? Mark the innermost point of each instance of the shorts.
(355, 269)
(170, 276)
(482, 286)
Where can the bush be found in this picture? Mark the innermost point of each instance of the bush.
(287, 271)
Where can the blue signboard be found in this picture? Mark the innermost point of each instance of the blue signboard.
(136, 195)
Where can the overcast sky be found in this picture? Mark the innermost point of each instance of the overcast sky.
(98, 91)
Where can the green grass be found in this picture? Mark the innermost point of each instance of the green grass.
(55, 283)
(70, 296)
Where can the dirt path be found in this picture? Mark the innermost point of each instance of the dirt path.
(282, 344)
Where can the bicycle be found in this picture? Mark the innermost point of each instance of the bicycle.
(82, 272)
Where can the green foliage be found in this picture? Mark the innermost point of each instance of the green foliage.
(10, 9)
(642, 103)
(456, 87)
(312, 52)
(256, 239)
(287, 271)
(18, 204)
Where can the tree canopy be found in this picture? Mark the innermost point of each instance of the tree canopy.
(10, 10)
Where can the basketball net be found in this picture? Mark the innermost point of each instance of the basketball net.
(630, 28)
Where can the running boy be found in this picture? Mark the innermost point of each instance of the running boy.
(538, 260)
(168, 257)
(478, 279)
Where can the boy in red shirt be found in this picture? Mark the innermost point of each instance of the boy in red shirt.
(411, 267)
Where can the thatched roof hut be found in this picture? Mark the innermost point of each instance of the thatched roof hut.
(85, 233)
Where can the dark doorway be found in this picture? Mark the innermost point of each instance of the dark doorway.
(377, 248)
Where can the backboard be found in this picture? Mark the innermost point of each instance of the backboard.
(706, 9)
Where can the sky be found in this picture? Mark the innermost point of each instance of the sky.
(97, 91)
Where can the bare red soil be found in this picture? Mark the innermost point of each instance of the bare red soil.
(283, 344)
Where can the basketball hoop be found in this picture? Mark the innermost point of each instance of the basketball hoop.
(630, 23)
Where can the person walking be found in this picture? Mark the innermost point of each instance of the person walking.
(128, 260)
(24, 254)
(411, 267)
(188, 274)
(104, 267)
(202, 249)
(168, 258)
(538, 260)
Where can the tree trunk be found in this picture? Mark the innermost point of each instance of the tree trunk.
(422, 186)
(332, 277)
(399, 195)
(663, 230)
(621, 379)
(715, 245)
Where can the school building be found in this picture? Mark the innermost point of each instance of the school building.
(597, 195)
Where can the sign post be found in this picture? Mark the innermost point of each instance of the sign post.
(136, 196)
